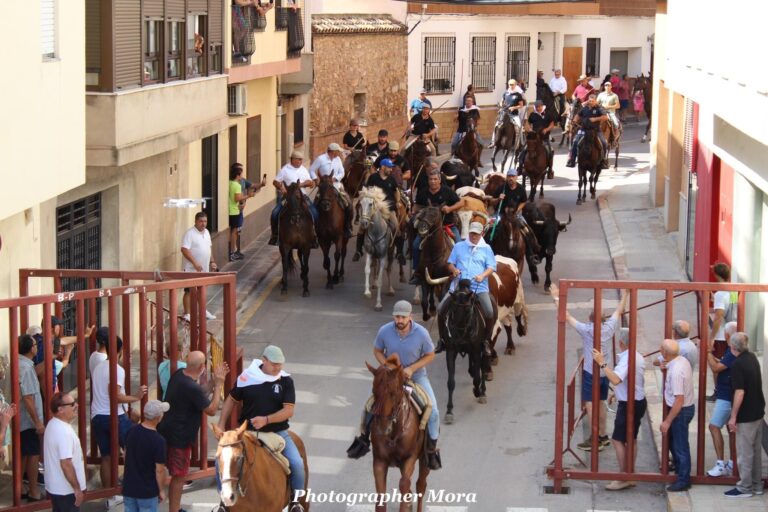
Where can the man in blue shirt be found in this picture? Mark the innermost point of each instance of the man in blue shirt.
(589, 118)
(471, 259)
(413, 344)
(418, 103)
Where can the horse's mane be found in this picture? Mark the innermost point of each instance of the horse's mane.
(379, 199)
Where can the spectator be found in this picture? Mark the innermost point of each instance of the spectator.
(145, 475)
(181, 423)
(747, 417)
(57, 326)
(31, 421)
(196, 250)
(620, 87)
(102, 343)
(64, 468)
(678, 395)
(688, 348)
(723, 311)
(722, 411)
(417, 104)
(618, 377)
(236, 195)
(7, 412)
(164, 368)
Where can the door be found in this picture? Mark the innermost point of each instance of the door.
(572, 62)
(253, 163)
(285, 152)
(232, 145)
(210, 167)
(620, 61)
(725, 214)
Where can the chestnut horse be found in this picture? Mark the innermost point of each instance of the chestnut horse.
(296, 232)
(330, 230)
(251, 479)
(395, 435)
(469, 149)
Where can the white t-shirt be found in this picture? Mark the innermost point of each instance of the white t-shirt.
(199, 244)
(100, 388)
(95, 359)
(558, 85)
(60, 442)
(622, 370)
(679, 382)
(721, 301)
(289, 174)
(323, 165)
(607, 329)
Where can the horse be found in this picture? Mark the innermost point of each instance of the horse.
(249, 471)
(535, 165)
(435, 249)
(356, 171)
(590, 160)
(613, 137)
(470, 149)
(505, 138)
(296, 231)
(544, 93)
(416, 155)
(396, 438)
(379, 244)
(506, 238)
(330, 230)
(645, 84)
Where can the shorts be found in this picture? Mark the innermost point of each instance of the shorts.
(235, 221)
(721, 413)
(718, 349)
(140, 504)
(586, 387)
(178, 460)
(100, 429)
(63, 503)
(30, 443)
(620, 423)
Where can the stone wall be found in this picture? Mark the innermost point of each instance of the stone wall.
(349, 64)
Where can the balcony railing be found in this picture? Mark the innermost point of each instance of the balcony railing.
(247, 20)
(295, 33)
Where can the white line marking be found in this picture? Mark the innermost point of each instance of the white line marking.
(526, 509)
(328, 432)
(324, 370)
(326, 465)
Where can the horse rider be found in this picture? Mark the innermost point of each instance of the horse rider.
(471, 259)
(417, 104)
(540, 82)
(609, 100)
(512, 195)
(353, 140)
(539, 121)
(413, 344)
(559, 87)
(469, 111)
(329, 163)
(423, 126)
(511, 103)
(384, 181)
(581, 92)
(589, 118)
(291, 172)
(436, 194)
(381, 147)
(267, 397)
(402, 169)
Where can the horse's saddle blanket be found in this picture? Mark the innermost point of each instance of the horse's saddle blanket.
(274, 444)
(418, 398)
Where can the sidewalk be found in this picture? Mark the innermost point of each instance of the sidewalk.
(642, 250)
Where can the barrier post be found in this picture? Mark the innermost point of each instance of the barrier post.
(559, 386)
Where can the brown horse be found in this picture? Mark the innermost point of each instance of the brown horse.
(435, 249)
(645, 84)
(535, 165)
(493, 182)
(590, 161)
(356, 171)
(248, 470)
(296, 232)
(613, 138)
(395, 435)
(470, 149)
(507, 239)
(330, 230)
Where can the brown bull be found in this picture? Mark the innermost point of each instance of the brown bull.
(474, 209)
(507, 288)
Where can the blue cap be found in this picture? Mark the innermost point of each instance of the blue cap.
(512, 171)
(387, 163)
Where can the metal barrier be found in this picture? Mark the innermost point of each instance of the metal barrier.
(566, 390)
(132, 296)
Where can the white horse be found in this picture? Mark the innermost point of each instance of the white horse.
(376, 219)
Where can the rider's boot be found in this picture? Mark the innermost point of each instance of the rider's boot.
(273, 235)
(442, 329)
(490, 323)
(361, 445)
(433, 455)
(359, 245)
(348, 221)
(295, 506)
(604, 164)
(551, 171)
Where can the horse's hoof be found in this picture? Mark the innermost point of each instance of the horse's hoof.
(378, 307)
(578, 201)
(448, 419)
(391, 293)
(546, 289)
(305, 293)
(488, 377)
(509, 351)
(483, 399)
(495, 361)
(336, 279)
(367, 295)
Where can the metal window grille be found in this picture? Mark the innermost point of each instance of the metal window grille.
(484, 63)
(518, 57)
(593, 56)
(688, 136)
(281, 14)
(48, 28)
(439, 64)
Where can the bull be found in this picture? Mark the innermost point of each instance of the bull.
(546, 227)
(506, 286)
(474, 209)
(457, 174)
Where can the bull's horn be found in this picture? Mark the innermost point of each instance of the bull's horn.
(480, 214)
(563, 224)
(450, 178)
(435, 282)
(539, 222)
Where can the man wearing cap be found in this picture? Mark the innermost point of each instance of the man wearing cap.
(290, 173)
(267, 396)
(589, 118)
(64, 468)
(469, 111)
(401, 170)
(382, 145)
(146, 476)
(540, 121)
(329, 163)
(384, 181)
(423, 126)
(582, 91)
(511, 103)
(609, 100)
(417, 104)
(559, 87)
(413, 344)
(471, 259)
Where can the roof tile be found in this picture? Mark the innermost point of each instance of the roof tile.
(356, 24)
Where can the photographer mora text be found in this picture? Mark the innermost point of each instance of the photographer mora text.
(393, 496)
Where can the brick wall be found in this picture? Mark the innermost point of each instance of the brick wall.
(349, 64)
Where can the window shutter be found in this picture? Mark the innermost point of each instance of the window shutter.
(127, 33)
(48, 28)
(93, 36)
(152, 8)
(175, 9)
(215, 22)
(197, 6)
(688, 136)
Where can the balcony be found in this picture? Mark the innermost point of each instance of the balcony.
(257, 39)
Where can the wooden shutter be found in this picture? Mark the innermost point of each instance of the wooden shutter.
(215, 22)
(93, 35)
(127, 43)
(48, 28)
(175, 9)
(152, 8)
(197, 6)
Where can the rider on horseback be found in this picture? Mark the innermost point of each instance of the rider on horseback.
(399, 162)
(589, 119)
(383, 180)
(512, 195)
(382, 144)
(413, 344)
(511, 103)
(559, 86)
(582, 92)
(291, 173)
(609, 100)
(470, 111)
(471, 259)
(424, 127)
(330, 163)
(540, 122)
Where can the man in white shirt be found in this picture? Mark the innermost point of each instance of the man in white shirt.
(724, 310)
(329, 163)
(196, 255)
(619, 378)
(559, 86)
(64, 468)
(290, 173)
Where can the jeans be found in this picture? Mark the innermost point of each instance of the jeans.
(416, 250)
(291, 452)
(433, 426)
(64, 503)
(579, 136)
(678, 440)
(141, 505)
(279, 207)
(750, 451)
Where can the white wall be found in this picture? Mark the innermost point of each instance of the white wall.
(546, 55)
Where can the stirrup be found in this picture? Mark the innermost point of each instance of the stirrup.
(440, 347)
(433, 460)
(360, 446)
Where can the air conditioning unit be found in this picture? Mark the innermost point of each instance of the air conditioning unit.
(237, 100)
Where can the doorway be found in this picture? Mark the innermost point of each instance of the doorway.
(572, 59)
(210, 174)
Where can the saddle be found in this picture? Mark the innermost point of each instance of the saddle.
(418, 398)
(274, 444)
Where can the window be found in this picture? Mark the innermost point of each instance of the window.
(593, 56)
(439, 64)
(196, 38)
(298, 126)
(152, 52)
(518, 57)
(484, 63)
(175, 42)
(48, 28)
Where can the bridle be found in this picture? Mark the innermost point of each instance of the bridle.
(240, 463)
(366, 217)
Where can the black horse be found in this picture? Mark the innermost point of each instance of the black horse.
(544, 93)
(590, 161)
(296, 232)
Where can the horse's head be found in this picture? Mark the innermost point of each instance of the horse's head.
(471, 125)
(326, 192)
(230, 455)
(368, 204)
(427, 220)
(388, 382)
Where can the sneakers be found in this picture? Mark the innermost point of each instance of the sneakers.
(209, 315)
(586, 445)
(186, 317)
(736, 493)
(618, 485)
(187, 485)
(679, 487)
(113, 501)
(721, 469)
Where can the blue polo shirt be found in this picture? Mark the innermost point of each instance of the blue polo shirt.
(473, 261)
(411, 348)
